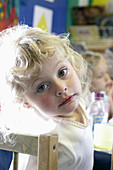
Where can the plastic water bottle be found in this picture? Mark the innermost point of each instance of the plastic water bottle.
(96, 111)
(106, 102)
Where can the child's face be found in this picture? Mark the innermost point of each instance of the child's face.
(101, 79)
(56, 90)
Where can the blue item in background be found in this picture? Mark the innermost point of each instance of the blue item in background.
(102, 161)
(5, 159)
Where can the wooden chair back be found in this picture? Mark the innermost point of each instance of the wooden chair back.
(45, 147)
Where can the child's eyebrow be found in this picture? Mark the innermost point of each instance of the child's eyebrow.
(36, 80)
(60, 62)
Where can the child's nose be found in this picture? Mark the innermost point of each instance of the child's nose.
(61, 92)
(107, 76)
(60, 89)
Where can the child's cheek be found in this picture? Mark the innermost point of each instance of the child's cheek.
(47, 102)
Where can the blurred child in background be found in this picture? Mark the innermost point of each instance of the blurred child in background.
(101, 80)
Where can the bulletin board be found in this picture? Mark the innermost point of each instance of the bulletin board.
(9, 12)
(49, 15)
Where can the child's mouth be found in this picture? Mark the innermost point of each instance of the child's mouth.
(108, 85)
(67, 100)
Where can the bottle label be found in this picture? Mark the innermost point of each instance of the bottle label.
(97, 120)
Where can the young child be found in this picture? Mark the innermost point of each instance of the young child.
(48, 77)
(101, 80)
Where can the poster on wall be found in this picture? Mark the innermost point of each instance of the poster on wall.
(42, 18)
(50, 15)
(8, 13)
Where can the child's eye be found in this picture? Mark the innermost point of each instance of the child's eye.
(41, 88)
(99, 77)
(62, 72)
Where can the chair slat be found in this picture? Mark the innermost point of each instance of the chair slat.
(15, 161)
(20, 143)
(47, 151)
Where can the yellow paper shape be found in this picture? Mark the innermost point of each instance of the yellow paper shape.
(42, 23)
(99, 2)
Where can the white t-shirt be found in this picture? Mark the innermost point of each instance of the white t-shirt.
(75, 148)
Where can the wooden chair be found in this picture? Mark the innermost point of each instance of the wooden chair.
(44, 146)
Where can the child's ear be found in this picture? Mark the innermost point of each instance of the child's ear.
(26, 105)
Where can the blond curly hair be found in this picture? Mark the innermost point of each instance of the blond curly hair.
(23, 50)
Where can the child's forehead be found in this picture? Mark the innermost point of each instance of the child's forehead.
(102, 61)
(52, 59)
(101, 66)
(95, 59)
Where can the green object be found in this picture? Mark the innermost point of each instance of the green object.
(71, 4)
